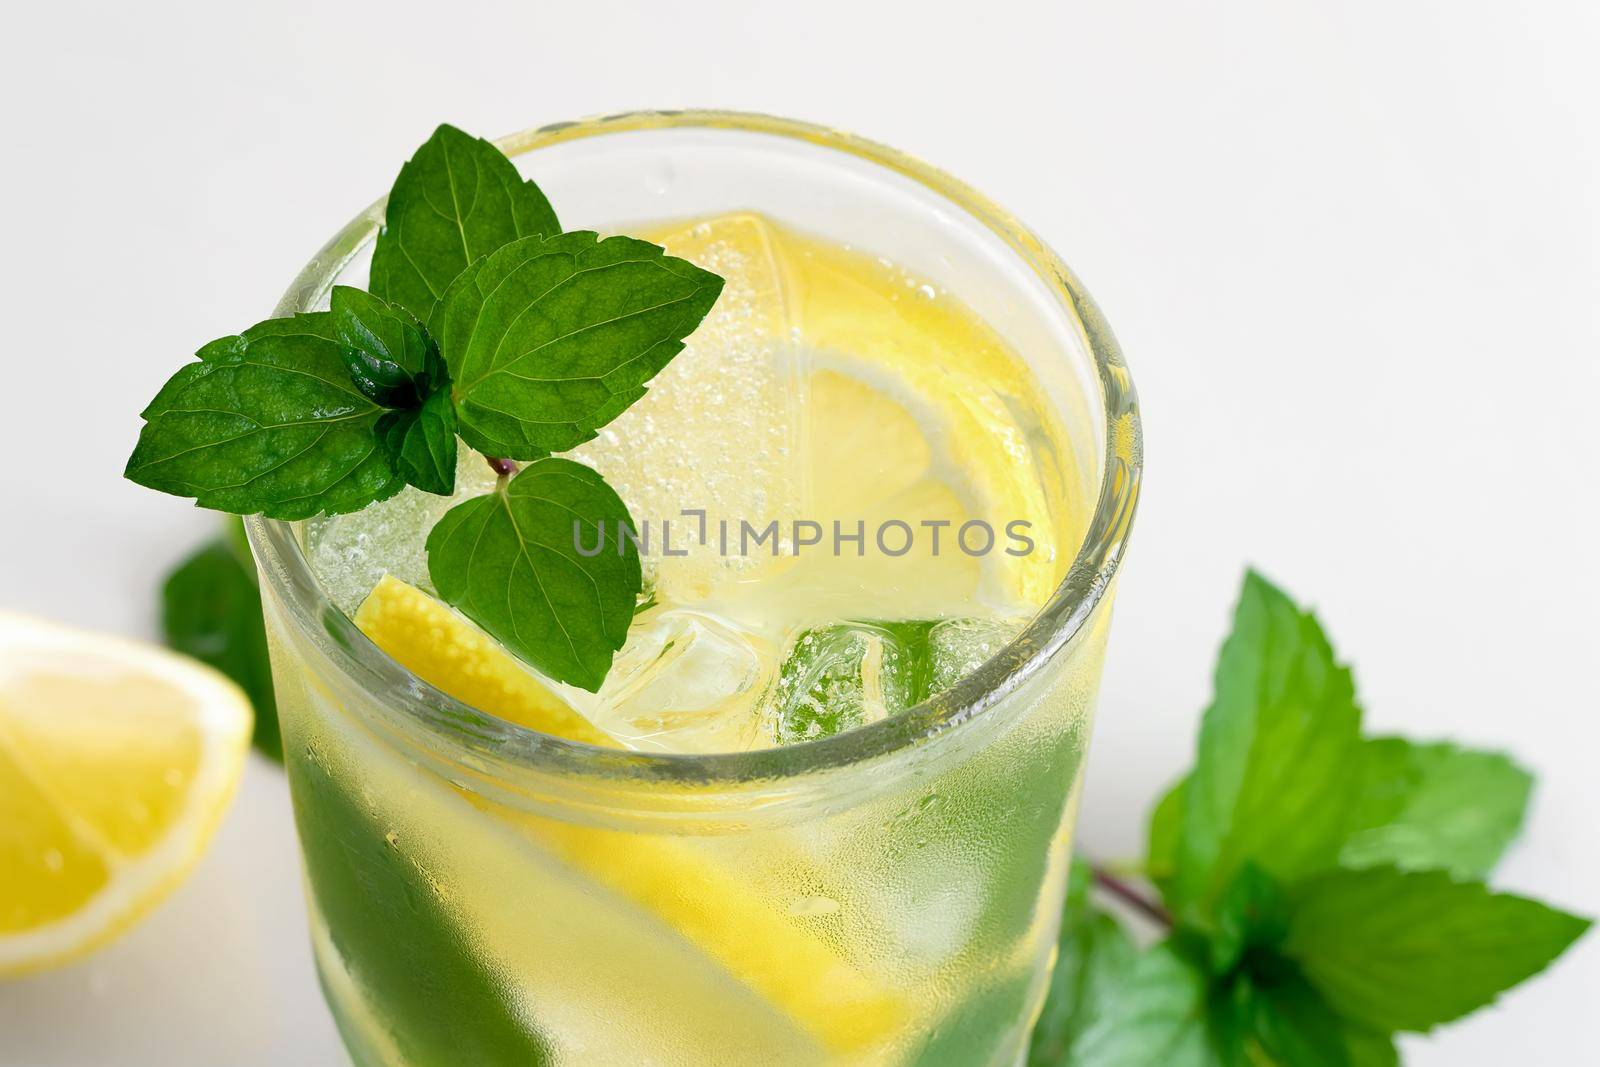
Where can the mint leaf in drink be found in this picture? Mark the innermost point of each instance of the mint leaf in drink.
(450, 1003)
(1163, 1014)
(457, 200)
(548, 339)
(835, 678)
(509, 560)
(268, 421)
(391, 358)
(1408, 950)
(1094, 955)
(1272, 779)
(422, 443)
(1435, 806)
(211, 610)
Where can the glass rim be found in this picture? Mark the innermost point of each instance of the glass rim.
(510, 746)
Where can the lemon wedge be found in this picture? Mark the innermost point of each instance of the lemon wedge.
(117, 760)
(678, 881)
(441, 647)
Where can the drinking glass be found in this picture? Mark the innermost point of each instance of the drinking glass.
(484, 894)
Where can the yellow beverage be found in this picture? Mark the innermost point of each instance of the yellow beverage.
(772, 836)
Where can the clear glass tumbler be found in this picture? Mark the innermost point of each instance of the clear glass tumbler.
(483, 894)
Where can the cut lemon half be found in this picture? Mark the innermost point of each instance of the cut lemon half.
(117, 760)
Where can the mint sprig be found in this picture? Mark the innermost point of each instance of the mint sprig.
(457, 200)
(548, 339)
(1094, 954)
(1408, 950)
(1435, 807)
(1322, 890)
(1271, 782)
(389, 354)
(422, 443)
(394, 361)
(485, 323)
(508, 559)
(268, 421)
(1160, 1013)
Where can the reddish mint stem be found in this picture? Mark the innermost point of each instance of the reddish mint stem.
(1132, 897)
(505, 468)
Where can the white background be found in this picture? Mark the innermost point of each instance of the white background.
(1349, 247)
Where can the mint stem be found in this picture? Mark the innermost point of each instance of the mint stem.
(505, 468)
(1131, 897)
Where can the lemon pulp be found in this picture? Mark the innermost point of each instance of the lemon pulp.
(116, 762)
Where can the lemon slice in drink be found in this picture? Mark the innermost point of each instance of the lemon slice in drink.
(708, 904)
(445, 650)
(913, 394)
(117, 760)
(893, 404)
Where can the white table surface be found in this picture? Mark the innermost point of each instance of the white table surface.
(1350, 249)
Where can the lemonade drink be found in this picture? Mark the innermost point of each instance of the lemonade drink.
(767, 844)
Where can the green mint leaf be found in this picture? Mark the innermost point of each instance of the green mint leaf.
(1408, 950)
(268, 421)
(388, 352)
(1369, 1048)
(509, 561)
(1166, 826)
(1436, 806)
(211, 610)
(1094, 955)
(422, 443)
(1253, 917)
(549, 339)
(1164, 1013)
(1291, 1022)
(457, 200)
(1272, 781)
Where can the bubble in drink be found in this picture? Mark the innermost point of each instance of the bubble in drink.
(957, 647)
(351, 553)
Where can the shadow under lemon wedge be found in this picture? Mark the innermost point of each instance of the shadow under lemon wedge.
(117, 761)
(710, 906)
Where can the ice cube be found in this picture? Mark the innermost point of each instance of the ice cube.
(685, 682)
(957, 647)
(350, 553)
(839, 677)
(718, 430)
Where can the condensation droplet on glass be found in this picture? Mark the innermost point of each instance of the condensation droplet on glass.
(811, 907)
